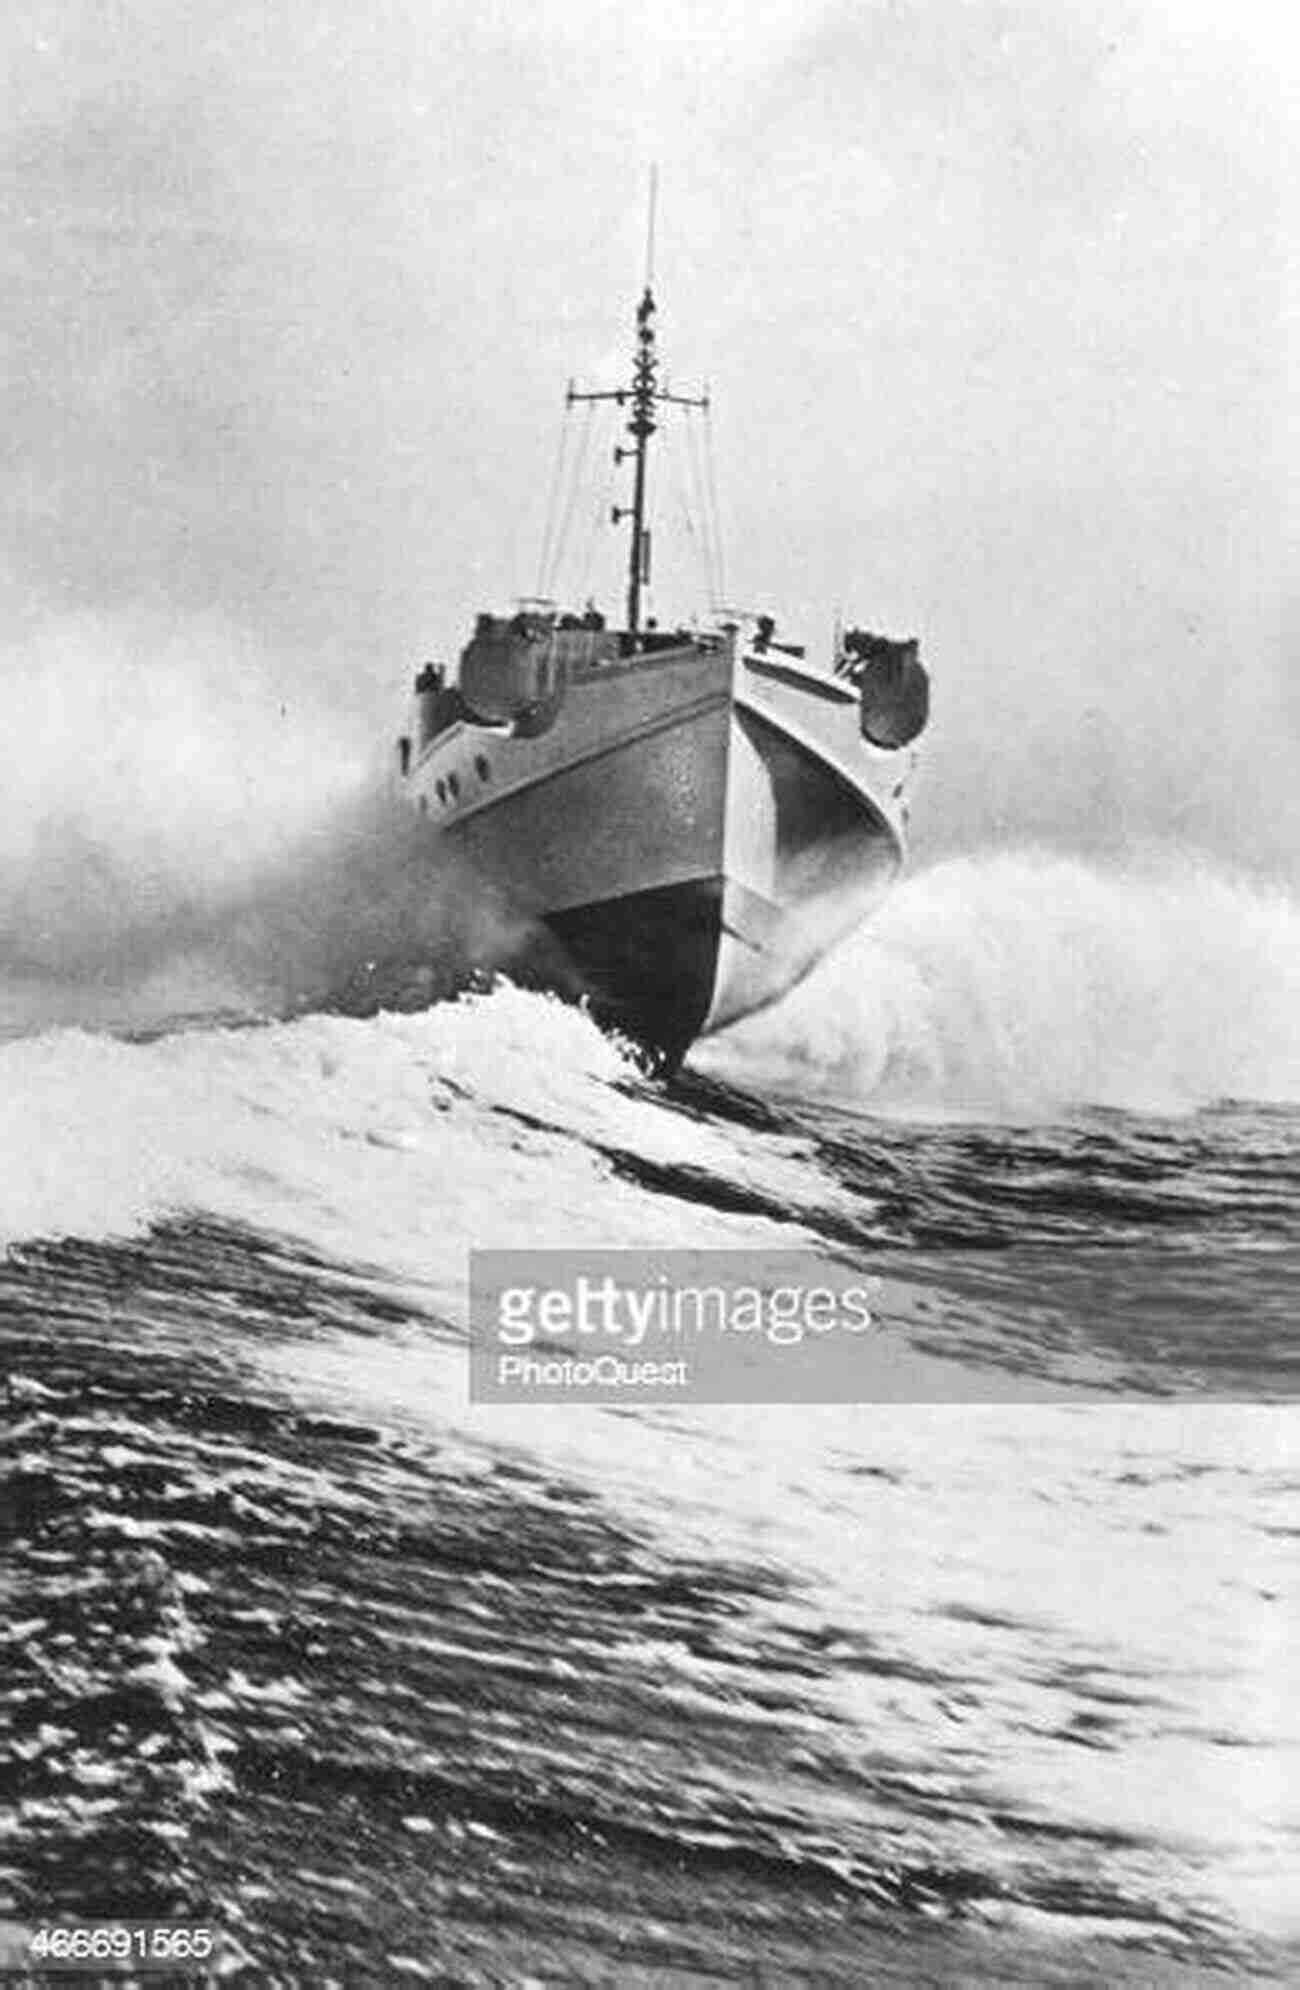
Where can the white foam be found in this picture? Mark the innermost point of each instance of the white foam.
(397, 1141)
(1024, 983)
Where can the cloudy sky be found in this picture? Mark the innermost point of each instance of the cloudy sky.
(992, 296)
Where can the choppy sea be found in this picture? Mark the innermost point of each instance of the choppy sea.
(389, 1687)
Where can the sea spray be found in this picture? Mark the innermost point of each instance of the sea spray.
(1024, 983)
(181, 835)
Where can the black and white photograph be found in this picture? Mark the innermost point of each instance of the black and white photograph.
(650, 994)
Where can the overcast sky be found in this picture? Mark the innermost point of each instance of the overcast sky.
(992, 296)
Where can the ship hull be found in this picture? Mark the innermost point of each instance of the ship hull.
(687, 837)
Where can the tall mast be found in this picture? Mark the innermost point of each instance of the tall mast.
(644, 396)
(641, 427)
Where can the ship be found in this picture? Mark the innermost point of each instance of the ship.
(672, 825)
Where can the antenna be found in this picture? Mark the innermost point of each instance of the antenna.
(650, 229)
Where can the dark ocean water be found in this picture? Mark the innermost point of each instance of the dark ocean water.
(390, 1687)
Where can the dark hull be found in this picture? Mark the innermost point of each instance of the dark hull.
(647, 962)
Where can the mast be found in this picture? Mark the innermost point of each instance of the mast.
(641, 427)
(645, 396)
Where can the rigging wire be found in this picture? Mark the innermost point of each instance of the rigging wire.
(690, 502)
(575, 487)
(681, 463)
(599, 521)
(553, 500)
(711, 578)
(716, 528)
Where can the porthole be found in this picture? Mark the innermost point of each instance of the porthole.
(441, 788)
(481, 766)
(453, 782)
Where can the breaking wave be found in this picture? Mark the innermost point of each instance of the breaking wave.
(390, 1141)
(1025, 983)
